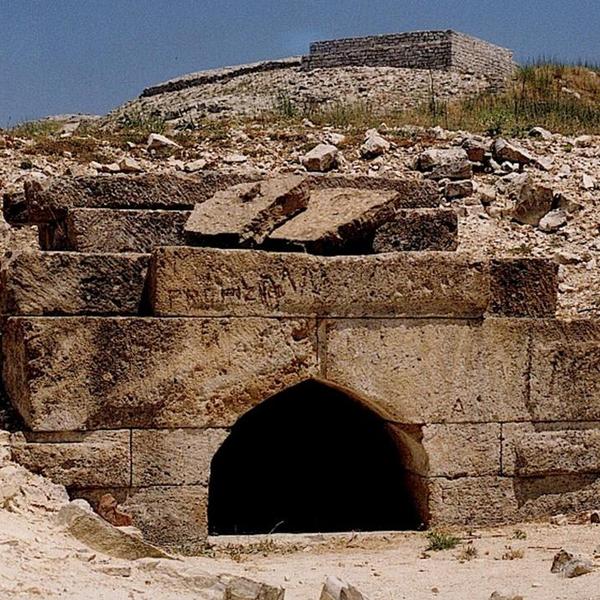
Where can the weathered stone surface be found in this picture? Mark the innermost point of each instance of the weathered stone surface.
(565, 381)
(545, 496)
(375, 145)
(49, 202)
(571, 565)
(100, 458)
(240, 588)
(510, 151)
(476, 149)
(321, 158)
(174, 457)
(156, 141)
(524, 287)
(451, 163)
(472, 501)
(337, 589)
(529, 451)
(201, 281)
(172, 515)
(413, 193)
(418, 230)
(92, 373)
(463, 450)
(433, 371)
(340, 221)
(459, 189)
(247, 213)
(59, 283)
(108, 230)
(82, 523)
(534, 198)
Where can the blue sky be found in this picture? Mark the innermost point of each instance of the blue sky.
(59, 56)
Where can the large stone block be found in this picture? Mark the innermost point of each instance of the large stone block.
(174, 456)
(103, 373)
(50, 201)
(109, 230)
(337, 221)
(462, 450)
(199, 281)
(418, 230)
(247, 213)
(433, 371)
(524, 287)
(76, 460)
(546, 496)
(500, 500)
(536, 450)
(171, 516)
(63, 283)
(565, 377)
(472, 501)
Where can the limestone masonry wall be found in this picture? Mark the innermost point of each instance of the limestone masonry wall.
(439, 50)
(130, 369)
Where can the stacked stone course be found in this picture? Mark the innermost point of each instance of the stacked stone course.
(437, 50)
(129, 370)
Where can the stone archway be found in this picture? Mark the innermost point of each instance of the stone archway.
(312, 459)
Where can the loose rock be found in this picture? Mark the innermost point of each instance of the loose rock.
(553, 221)
(452, 163)
(570, 565)
(156, 141)
(322, 158)
(337, 589)
(375, 145)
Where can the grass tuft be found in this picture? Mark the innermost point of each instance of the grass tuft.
(441, 540)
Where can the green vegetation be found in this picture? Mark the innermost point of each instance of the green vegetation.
(441, 540)
(562, 98)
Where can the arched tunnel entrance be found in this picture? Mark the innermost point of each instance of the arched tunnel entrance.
(310, 459)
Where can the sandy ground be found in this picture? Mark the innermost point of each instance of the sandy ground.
(394, 567)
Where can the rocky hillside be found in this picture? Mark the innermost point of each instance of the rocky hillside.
(249, 91)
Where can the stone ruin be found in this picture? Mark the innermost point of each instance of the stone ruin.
(433, 50)
(225, 355)
(443, 50)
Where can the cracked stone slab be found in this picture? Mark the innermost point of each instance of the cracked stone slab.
(337, 221)
(247, 213)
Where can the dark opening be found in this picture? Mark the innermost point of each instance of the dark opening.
(310, 459)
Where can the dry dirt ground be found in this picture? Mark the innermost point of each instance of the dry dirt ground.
(395, 567)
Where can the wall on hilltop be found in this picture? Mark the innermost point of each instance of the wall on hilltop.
(439, 50)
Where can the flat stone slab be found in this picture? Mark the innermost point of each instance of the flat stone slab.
(76, 460)
(418, 230)
(50, 201)
(414, 193)
(211, 282)
(245, 214)
(337, 221)
(70, 283)
(109, 230)
(86, 373)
